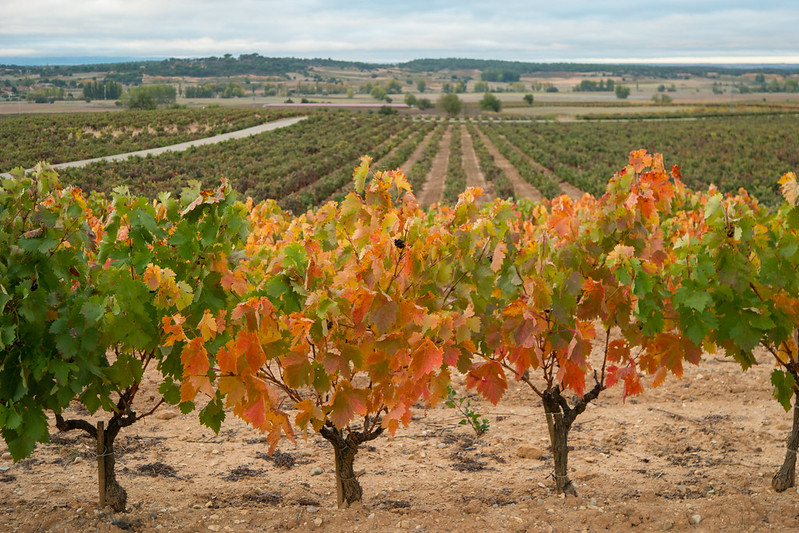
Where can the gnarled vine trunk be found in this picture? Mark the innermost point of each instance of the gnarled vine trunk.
(560, 417)
(785, 477)
(348, 488)
(115, 495)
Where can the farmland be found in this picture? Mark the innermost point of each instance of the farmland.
(71, 137)
(310, 162)
(198, 302)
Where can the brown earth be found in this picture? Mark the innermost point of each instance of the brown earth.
(433, 188)
(471, 166)
(416, 155)
(520, 186)
(695, 454)
(566, 188)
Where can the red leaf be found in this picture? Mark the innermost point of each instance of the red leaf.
(346, 403)
(523, 358)
(572, 376)
(618, 351)
(628, 374)
(489, 378)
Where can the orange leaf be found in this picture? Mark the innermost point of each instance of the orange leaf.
(152, 276)
(639, 160)
(227, 358)
(489, 378)
(618, 350)
(195, 358)
(346, 403)
(232, 388)
(789, 188)
(173, 329)
(572, 376)
(309, 412)
(192, 385)
(425, 359)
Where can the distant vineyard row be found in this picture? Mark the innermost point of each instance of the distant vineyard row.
(310, 162)
(73, 137)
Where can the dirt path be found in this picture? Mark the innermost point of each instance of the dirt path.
(566, 188)
(182, 147)
(417, 153)
(520, 186)
(433, 188)
(474, 176)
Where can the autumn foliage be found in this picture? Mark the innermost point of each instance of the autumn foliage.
(343, 319)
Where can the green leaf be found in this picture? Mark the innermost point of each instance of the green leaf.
(294, 255)
(7, 335)
(170, 391)
(713, 206)
(212, 415)
(784, 384)
(697, 300)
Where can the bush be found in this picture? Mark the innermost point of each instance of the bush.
(451, 104)
(490, 103)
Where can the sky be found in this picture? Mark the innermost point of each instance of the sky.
(666, 31)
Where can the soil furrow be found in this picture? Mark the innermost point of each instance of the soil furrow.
(568, 189)
(520, 186)
(417, 153)
(474, 176)
(433, 188)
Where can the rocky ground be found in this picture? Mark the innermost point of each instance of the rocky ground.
(696, 454)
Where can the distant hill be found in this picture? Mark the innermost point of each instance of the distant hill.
(255, 64)
(523, 68)
(226, 65)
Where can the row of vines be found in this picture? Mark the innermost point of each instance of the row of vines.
(73, 137)
(339, 320)
(730, 152)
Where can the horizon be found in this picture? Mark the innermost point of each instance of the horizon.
(730, 62)
(573, 31)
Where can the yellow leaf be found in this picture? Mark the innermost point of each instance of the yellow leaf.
(207, 326)
(499, 256)
(789, 187)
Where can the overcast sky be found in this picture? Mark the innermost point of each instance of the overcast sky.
(545, 31)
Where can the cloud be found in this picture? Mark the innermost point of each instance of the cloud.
(532, 30)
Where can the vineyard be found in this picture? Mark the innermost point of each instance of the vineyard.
(73, 137)
(310, 163)
(603, 338)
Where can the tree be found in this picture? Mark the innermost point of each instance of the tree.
(149, 96)
(424, 103)
(378, 93)
(410, 100)
(393, 86)
(421, 85)
(450, 104)
(490, 103)
(748, 293)
(481, 87)
(96, 285)
(622, 92)
(339, 320)
(540, 284)
(528, 99)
